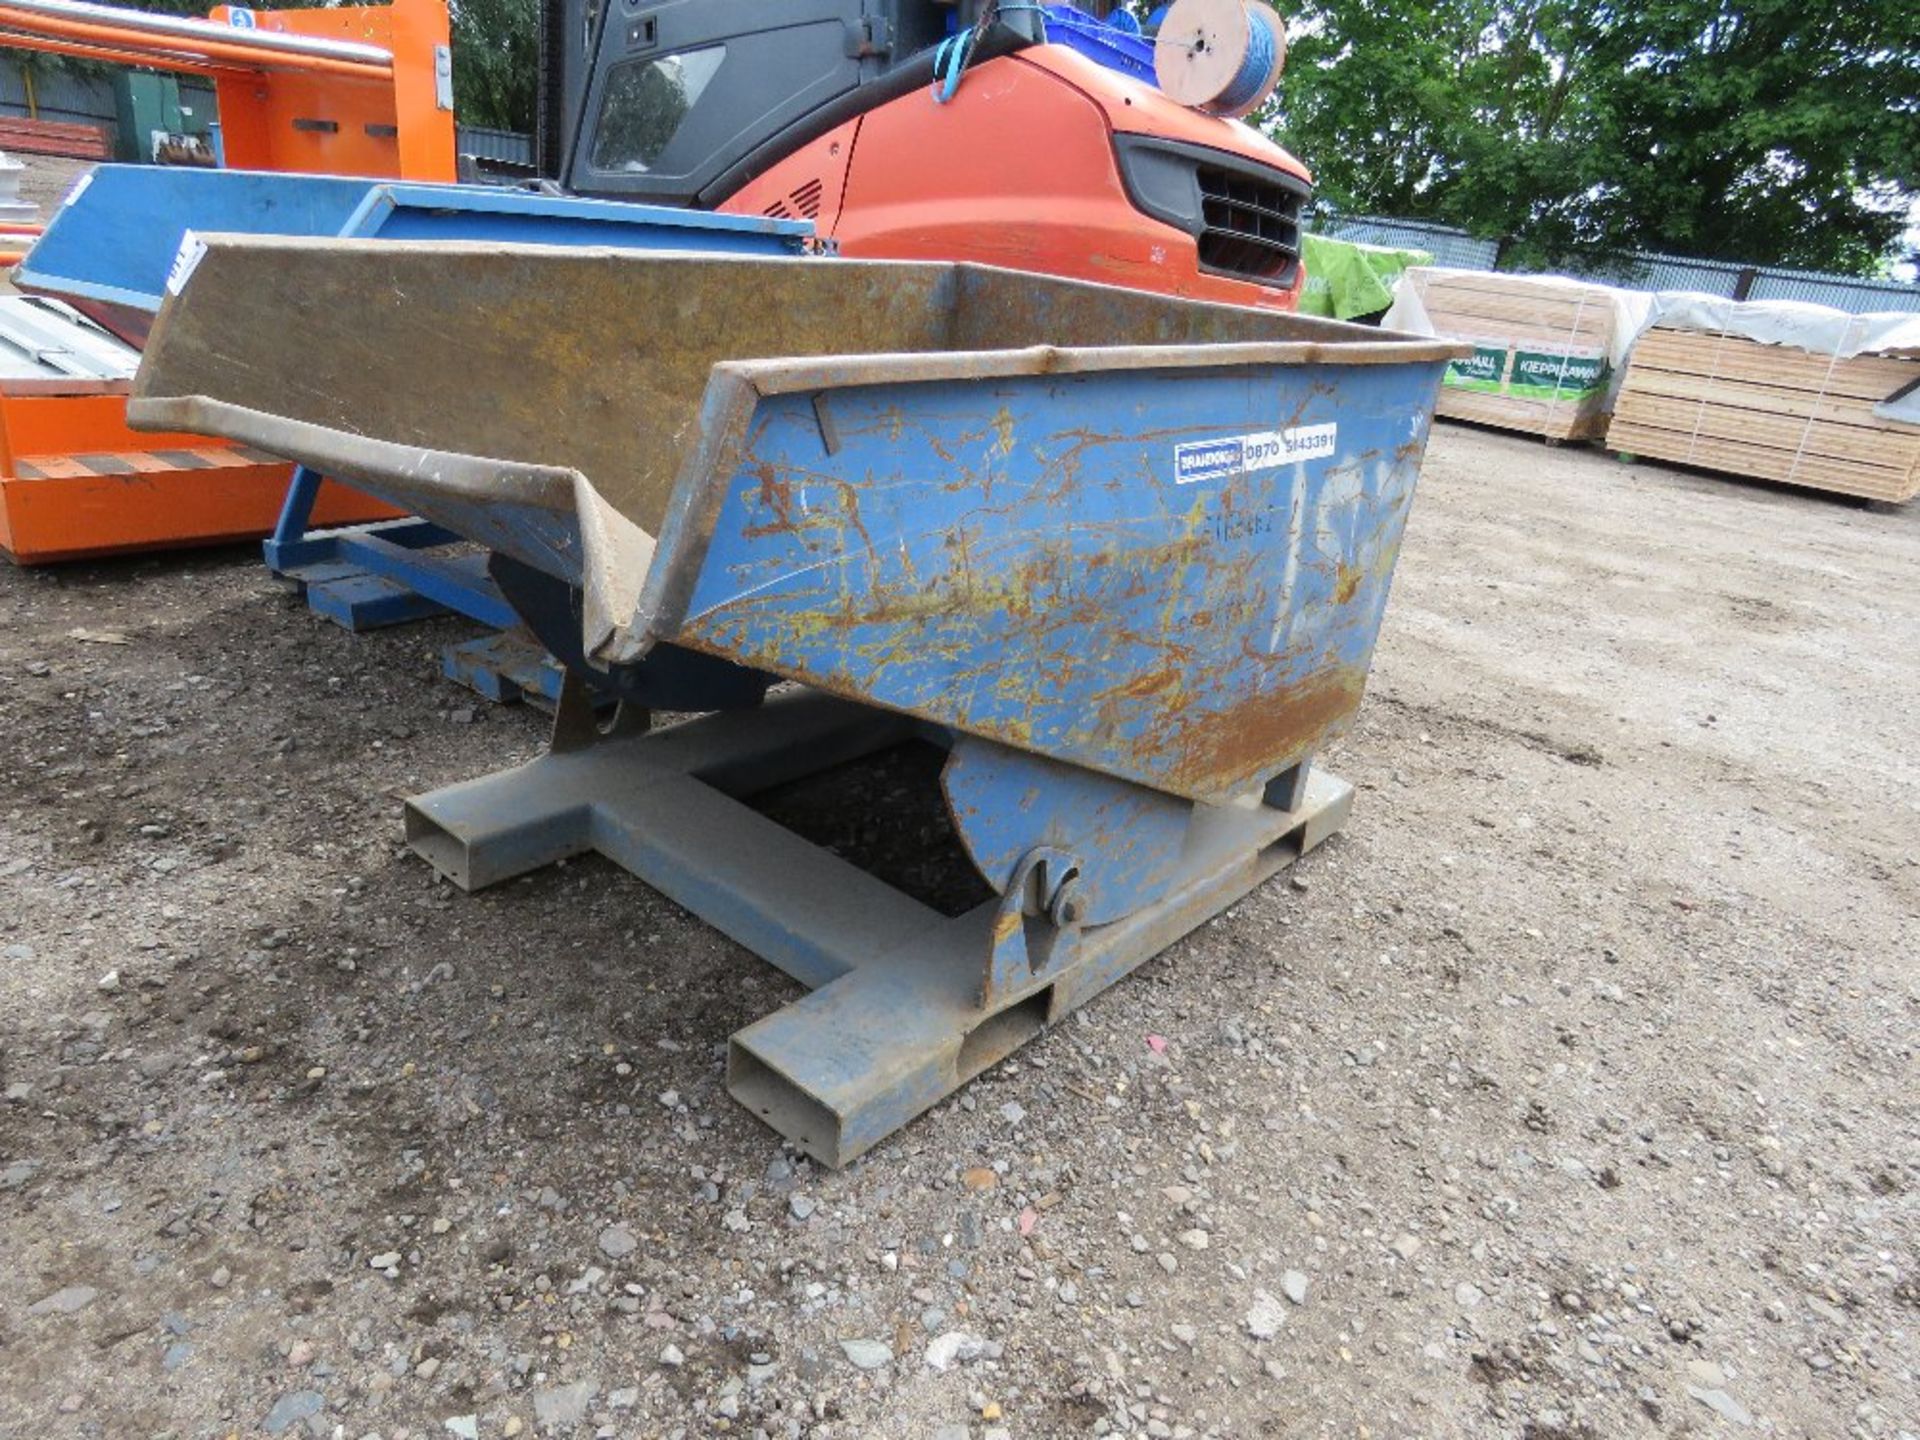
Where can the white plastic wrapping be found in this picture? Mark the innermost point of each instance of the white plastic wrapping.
(1819, 328)
(1632, 309)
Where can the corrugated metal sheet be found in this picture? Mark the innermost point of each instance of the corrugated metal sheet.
(1858, 296)
(196, 95)
(1644, 270)
(44, 340)
(58, 94)
(1448, 245)
(508, 145)
(1670, 272)
(1650, 271)
(86, 99)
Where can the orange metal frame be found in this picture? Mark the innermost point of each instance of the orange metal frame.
(16, 238)
(388, 125)
(195, 53)
(295, 112)
(74, 480)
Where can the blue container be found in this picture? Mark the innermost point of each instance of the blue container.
(1124, 556)
(1113, 46)
(110, 247)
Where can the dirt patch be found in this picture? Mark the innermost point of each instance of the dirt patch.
(1570, 1091)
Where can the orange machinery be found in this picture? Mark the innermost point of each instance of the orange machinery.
(1033, 136)
(75, 481)
(16, 238)
(353, 90)
(1067, 167)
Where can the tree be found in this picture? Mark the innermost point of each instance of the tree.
(495, 62)
(1784, 131)
(1794, 127)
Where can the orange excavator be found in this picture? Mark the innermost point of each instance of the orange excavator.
(1031, 136)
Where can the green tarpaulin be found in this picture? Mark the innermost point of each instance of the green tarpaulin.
(1346, 278)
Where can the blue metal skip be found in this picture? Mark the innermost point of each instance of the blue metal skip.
(1047, 568)
(1132, 581)
(114, 238)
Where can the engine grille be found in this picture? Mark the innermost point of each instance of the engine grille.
(1244, 216)
(1250, 226)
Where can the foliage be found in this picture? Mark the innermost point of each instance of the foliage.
(1772, 131)
(496, 60)
(1781, 131)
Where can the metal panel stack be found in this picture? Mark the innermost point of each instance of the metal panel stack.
(1704, 388)
(75, 481)
(1543, 347)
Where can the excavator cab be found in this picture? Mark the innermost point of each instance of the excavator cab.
(678, 101)
(1041, 156)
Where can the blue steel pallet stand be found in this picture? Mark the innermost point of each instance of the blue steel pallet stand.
(387, 573)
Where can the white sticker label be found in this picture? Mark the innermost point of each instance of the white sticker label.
(192, 248)
(1236, 454)
(242, 18)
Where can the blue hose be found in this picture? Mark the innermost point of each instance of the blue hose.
(1256, 69)
(951, 56)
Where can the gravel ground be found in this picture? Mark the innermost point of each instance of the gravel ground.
(1569, 1093)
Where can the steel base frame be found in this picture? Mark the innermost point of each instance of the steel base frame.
(896, 1019)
